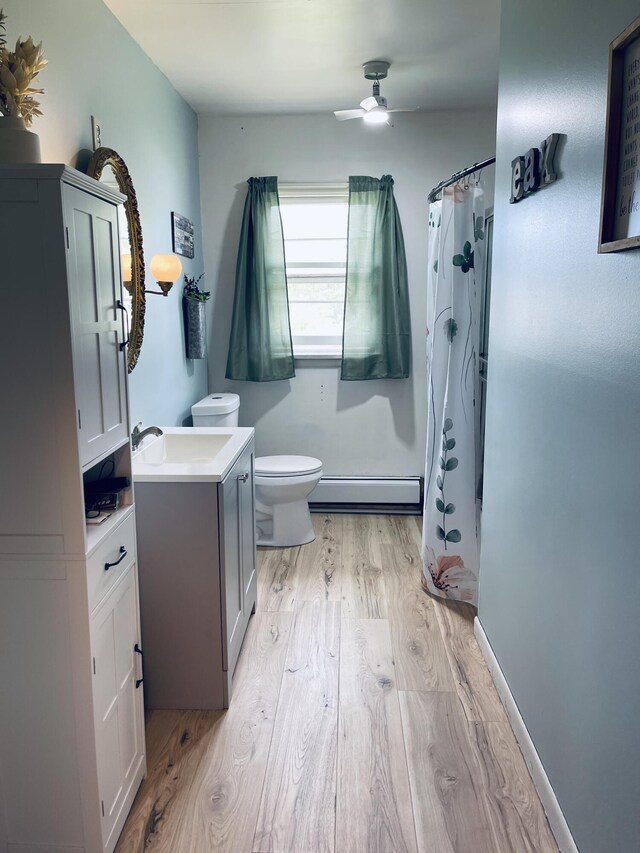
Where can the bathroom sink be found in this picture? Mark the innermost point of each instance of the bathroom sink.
(189, 454)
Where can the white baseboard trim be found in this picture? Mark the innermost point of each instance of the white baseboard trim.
(364, 490)
(549, 801)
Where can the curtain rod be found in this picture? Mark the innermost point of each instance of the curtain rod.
(458, 176)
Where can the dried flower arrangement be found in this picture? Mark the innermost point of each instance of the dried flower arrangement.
(192, 290)
(18, 69)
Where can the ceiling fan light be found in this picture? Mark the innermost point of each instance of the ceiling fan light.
(376, 116)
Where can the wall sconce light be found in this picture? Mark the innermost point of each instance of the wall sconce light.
(165, 269)
(127, 275)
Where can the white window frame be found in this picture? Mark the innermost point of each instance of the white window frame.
(315, 346)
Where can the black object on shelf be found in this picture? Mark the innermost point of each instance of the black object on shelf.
(107, 485)
(103, 495)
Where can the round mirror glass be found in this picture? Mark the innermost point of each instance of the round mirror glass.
(108, 167)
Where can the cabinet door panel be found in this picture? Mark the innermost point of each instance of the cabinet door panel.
(109, 290)
(85, 300)
(238, 555)
(114, 632)
(94, 288)
(129, 741)
(106, 713)
(126, 632)
(248, 540)
(105, 687)
(110, 764)
(232, 598)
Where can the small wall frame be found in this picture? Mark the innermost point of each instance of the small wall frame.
(182, 233)
(620, 200)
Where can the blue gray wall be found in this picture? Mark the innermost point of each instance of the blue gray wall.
(560, 566)
(96, 68)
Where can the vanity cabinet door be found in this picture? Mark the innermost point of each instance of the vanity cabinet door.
(93, 264)
(247, 523)
(237, 555)
(117, 700)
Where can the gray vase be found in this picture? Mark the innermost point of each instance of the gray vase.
(17, 144)
(195, 328)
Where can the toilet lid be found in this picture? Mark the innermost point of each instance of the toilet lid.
(216, 404)
(286, 466)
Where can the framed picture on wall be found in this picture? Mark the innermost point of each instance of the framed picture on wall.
(620, 202)
(182, 234)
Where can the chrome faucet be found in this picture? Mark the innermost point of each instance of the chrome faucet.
(137, 435)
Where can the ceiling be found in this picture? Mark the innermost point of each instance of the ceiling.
(305, 56)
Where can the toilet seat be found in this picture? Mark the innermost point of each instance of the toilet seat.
(286, 466)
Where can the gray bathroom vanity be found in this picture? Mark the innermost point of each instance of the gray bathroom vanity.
(197, 562)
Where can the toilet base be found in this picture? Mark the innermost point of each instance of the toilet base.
(283, 525)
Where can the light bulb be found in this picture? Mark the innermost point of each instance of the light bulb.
(377, 115)
(165, 267)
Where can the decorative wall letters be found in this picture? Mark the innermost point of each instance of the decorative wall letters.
(533, 169)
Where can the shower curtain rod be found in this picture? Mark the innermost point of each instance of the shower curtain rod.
(458, 176)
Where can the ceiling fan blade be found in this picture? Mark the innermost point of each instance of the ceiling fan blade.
(369, 103)
(343, 115)
(403, 110)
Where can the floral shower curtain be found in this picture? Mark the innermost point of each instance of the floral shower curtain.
(450, 545)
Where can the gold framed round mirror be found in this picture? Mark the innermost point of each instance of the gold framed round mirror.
(107, 166)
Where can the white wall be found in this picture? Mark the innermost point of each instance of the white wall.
(372, 427)
(560, 566)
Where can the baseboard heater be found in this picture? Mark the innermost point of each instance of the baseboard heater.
(368, 494)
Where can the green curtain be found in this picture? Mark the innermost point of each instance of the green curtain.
(260, 348)
(376, 343)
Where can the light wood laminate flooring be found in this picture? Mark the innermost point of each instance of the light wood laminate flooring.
(363, 720)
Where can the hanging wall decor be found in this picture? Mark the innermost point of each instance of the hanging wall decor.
(182, 233)
(620, 202)
(193, 303)
(534, 169)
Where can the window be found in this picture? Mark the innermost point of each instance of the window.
(314, 222)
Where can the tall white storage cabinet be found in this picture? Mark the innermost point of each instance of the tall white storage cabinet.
(72, 751)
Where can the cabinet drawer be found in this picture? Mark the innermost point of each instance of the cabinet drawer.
(99, 580)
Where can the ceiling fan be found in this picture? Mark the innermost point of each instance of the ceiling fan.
(374, 108)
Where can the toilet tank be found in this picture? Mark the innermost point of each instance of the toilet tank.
(216, 410)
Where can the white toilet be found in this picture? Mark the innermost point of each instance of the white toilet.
(282, 483)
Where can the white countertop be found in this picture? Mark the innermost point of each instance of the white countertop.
(189, 454)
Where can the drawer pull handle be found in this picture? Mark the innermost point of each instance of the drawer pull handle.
(243, 477)
(122, 346)
(123, 554)
(137, 649)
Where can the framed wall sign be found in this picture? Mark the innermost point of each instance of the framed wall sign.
(182, 234)
(620, 202)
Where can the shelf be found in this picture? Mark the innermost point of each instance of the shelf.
(125, 442)
(97, 532)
